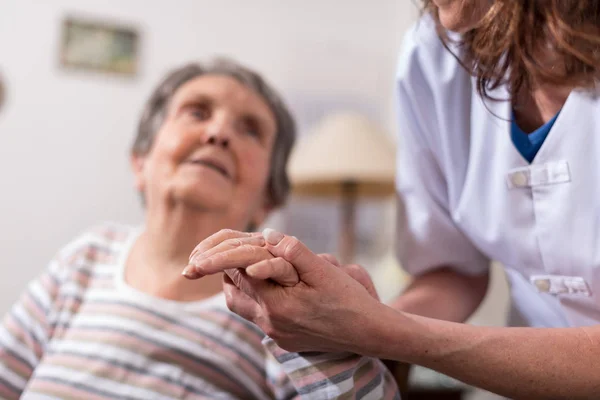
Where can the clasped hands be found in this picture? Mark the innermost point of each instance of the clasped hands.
(303, 301)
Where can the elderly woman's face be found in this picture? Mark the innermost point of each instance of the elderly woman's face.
(213, 151)
(461, 15)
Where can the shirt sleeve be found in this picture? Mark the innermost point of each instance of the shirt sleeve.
(279, 383)
(25, 331)
(30, 324)
(321, 376)
(427, 236)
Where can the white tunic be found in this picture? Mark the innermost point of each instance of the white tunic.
(467, 195)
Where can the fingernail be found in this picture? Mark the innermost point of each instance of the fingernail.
(250, 271)
(272, 236)
(191, 273)
(195, 259)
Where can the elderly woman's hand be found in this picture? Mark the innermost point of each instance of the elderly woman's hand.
(227, 250)
(323, 311)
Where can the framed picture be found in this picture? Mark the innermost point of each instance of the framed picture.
(99, 46)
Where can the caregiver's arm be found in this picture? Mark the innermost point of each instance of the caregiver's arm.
(328, 311)
(443, 294)
(519, 363)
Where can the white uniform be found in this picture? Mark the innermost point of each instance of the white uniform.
(468, 196)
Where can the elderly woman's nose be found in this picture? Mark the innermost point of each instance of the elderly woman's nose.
(219, 132)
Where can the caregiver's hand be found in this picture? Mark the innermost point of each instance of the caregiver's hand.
(355, 271)
(325, 311)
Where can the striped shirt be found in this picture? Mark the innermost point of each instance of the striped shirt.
(80, 332)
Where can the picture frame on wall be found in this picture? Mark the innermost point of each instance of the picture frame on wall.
(99, 46)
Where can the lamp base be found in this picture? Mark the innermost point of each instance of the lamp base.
(348, 229)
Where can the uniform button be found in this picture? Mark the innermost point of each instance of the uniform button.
(543, 285)
(519, 179)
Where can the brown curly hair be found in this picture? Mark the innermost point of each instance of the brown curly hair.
(522, 43)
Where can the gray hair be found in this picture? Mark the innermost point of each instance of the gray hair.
(157, 106)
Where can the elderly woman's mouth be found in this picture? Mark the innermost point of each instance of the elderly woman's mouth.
(214, 166)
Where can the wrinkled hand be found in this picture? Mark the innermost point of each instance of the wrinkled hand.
(355, 271)
(326, 309)
(229, 249)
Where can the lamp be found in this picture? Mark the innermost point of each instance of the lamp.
(345, 155)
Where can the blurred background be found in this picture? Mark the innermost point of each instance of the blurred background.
(68, 113)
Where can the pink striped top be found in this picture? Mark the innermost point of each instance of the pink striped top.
(80, 332)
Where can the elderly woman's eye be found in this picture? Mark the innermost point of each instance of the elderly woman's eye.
(251, 128)
(200, 112)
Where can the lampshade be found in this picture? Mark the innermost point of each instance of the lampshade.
(344, 148)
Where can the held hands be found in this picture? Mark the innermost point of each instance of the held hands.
(229, 249)
(304, 301)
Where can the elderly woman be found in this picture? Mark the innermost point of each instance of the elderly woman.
(112, 317)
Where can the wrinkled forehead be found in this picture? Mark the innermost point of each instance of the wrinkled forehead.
(224, 91)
